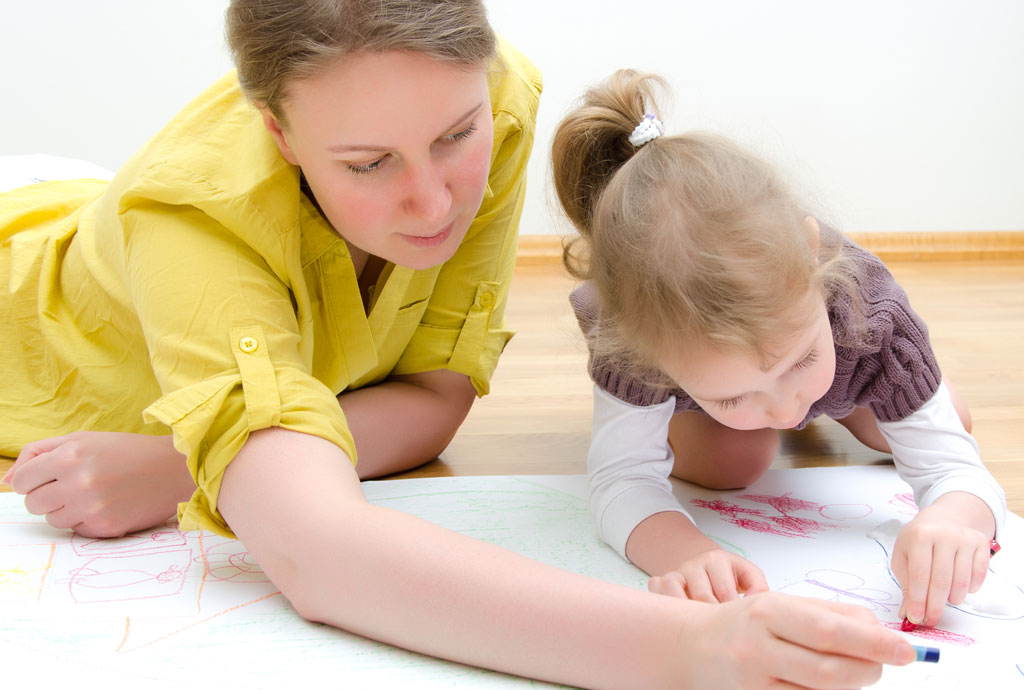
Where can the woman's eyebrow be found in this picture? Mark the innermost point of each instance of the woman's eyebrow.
(348, 148)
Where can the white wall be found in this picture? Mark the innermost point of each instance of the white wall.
(895, 115)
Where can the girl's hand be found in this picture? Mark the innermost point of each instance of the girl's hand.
(942, 555)
(713, 576)
(101, 484)
(778, 641)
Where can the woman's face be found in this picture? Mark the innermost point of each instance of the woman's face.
(396, 148)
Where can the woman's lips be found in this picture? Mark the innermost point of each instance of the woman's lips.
(428, 241)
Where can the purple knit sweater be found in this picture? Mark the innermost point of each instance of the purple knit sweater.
(893, 370)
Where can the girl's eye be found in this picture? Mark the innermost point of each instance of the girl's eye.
(807, 361)
(730, 403)
(463, 134)
(366, 168)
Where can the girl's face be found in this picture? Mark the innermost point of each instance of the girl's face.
(736, 392)
(396, 149)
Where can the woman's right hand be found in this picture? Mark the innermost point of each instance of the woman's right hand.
(779, 641)
(712, 576)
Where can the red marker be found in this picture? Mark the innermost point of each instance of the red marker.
(907, 626)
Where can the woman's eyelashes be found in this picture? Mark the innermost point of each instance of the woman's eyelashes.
(366, 168)
(375, 165)
(461, 134)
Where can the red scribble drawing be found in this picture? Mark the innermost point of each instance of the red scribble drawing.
(782, 522)
(836, 585)
(936, 635)
(904, 503)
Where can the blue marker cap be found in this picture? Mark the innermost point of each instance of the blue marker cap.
(930, 654)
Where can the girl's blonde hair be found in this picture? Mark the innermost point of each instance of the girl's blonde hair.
(277, 42)
(690, 240)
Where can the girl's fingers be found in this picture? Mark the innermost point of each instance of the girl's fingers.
(919, 575)
(940, 581)
(698, 587)
(979, 569)
(750, 579)
(723, 584)
(963, 565)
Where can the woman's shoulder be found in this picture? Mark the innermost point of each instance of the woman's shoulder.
(515, 83)
(216, 156)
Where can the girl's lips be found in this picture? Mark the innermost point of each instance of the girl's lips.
(426, 242)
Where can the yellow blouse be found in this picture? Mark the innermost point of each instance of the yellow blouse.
(201, 293)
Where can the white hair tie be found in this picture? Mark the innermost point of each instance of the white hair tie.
(649, 129)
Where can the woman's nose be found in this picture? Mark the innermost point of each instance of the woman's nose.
(428, 197)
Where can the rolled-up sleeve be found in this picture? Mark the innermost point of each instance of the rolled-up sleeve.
(463, 328)
(223, 339)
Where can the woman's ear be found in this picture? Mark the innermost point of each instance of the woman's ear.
(813, 233)
(273, 126)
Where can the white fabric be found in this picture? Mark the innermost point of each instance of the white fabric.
(23, 170)
(630, 460)
(628, 465)
(936, 455)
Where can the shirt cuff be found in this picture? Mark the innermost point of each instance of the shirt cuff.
(935, 455)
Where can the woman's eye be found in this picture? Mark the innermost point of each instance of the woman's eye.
(463, 134)
(366, 168)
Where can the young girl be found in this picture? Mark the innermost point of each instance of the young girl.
(717, 311)
(320, 279)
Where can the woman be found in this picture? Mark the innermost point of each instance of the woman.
(351, 236)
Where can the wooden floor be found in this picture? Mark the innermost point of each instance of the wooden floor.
(537, 418)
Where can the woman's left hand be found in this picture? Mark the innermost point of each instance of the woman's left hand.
(942, 555)
(100, 483)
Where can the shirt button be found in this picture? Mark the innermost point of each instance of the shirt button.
(486, 300)
(248, 344)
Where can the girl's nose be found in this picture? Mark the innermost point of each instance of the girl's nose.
(786, 411)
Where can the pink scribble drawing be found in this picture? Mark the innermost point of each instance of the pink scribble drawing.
(780, 520)
(225, 562)
(905, 503)
(157, 540)
(125, 578)
(936, 635)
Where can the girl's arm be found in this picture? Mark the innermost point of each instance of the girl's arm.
(942, 554)
(395, 578)
(628, 464)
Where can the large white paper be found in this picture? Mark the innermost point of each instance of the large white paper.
(164, 608)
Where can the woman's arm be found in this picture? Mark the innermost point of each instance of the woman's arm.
(398, 579)
(406, 420)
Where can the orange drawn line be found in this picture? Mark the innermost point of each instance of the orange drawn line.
(46, 570)
(205, 620)
(127, 625)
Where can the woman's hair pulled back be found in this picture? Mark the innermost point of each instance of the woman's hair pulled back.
(277, 42)
(690, 240)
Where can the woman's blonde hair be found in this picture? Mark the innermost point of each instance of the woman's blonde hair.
(690, 240)
(277, 42)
